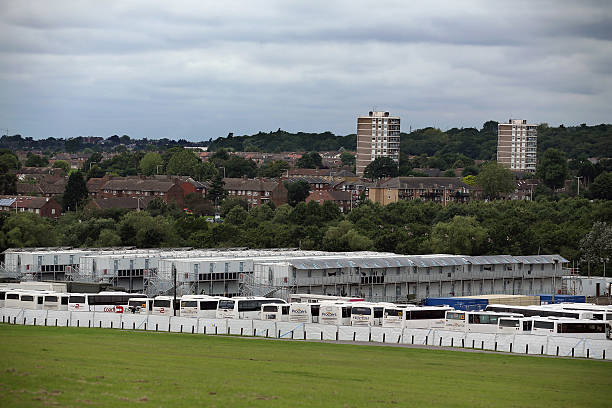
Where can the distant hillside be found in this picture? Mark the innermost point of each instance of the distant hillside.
(282, 141)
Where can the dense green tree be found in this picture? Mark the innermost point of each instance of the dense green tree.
(274, 168)
(149, 163)
(8, 161)
(62, 164)
(381, 167)
(347, 159)
(230, 202)
(216, 192)
(35, 160)
(8, 184)
(237, 166)
(182, 163)
(461, 235)
(495, 179)
(27, 230)
(199, 205)
(297, 192)
(205, 171)
(596, 246)
(236, 216)
(76, 192)
(552, 168)
(108, 238)
(601, 187)
(310, 160)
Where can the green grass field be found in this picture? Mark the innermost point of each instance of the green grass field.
(41, 366)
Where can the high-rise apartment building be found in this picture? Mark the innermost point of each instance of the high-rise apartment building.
(517, 144)
(378, 135)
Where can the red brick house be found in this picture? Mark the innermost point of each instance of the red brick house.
(43, 206)
(129, 203)
(256, 191)
(168, 190)
(340, 198)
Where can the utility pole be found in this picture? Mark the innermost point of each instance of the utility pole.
(174, 279)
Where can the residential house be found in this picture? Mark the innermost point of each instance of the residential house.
(343, 199)
(256, 191)
(168, 190)
(442, 190)
(43, 206)
(129, 203)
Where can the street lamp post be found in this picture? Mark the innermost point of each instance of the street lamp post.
(578, 185)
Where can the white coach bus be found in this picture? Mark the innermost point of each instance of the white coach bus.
(367, 314)
(541, 311)
(335, 313)
(200, 306)
(304, 312)
(12, 299)
(56, 301)
(580, 328)
(243, 307)
(111, 302)
(278, 312)
(478, 322)
(600, 312)
(514, 325)
(142, 306)
(414, 317)
(166, 306)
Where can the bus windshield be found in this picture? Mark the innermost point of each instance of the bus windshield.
(136, 303)
(394, 312)
(455, 316)
(361, 311)
(189, 303)
(270, 309)
(509, 323)
(226, 304)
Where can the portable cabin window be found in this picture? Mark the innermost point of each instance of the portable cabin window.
(208, 305)
(538, 324)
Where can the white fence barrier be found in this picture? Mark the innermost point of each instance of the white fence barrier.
(107, 320)
(514, 343)
(34, 317)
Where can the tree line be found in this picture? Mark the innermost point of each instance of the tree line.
(406, 227)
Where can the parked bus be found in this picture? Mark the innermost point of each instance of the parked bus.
(564, 327)
(166, 306)
(600, 312)
(304, 312)
(12, 299)
(32, 300)
(200, 306)
(541, 311)
(514, 325)
(367, 314)
(111, 302)
(415, 317)
(243, 307)
(335, 313)
(142, 306)
(310, 298)
(478, 322)
(278, 312)
(56, 301)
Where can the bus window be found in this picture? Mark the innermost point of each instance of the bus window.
(161, 303)
(361, 311)
(208, 305)
(40, 300)
(77, 299)
(12, 296)
(226, 304)
(580, 328)
(395, 312)
(455, 316)
(424, 314)
(527, 325)
(64, 300)
(27, 298)
(538, 324)
(270, 309)
(509, 323)
(188, 303)
(52, 299)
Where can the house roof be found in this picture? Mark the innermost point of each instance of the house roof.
(330, 195)
(27, 201)
(137, 184)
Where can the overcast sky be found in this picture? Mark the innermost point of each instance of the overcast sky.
(200, 69)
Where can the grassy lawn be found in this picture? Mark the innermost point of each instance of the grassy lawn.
(42, 366)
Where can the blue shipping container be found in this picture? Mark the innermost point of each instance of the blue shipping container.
(549, 299)
(458, 303)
